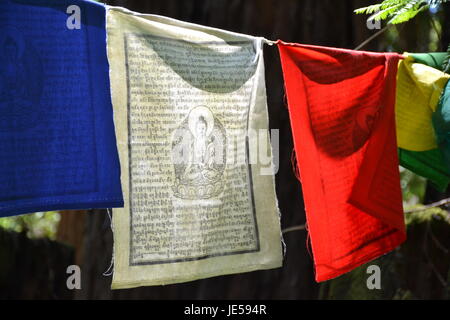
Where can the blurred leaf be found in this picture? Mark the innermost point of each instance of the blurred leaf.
(36, 225)
(413, 187)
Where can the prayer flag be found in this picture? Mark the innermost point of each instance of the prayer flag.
(56, 123)
(419, 88)
(341, 106)
(188, 103)
(441, 123)
(430, 164)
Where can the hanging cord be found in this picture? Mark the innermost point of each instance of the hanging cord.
(294, 228)
(378, 33)
(269, 42)
(110, 269)
(439, 203)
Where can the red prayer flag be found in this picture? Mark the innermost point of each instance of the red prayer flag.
(341, 105)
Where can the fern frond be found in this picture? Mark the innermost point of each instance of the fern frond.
(383, 14)
(380, 6)
(368, 10)
(409, 11)
(397, 11)
(446, 64)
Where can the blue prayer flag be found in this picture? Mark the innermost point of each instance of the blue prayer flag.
(57, 141)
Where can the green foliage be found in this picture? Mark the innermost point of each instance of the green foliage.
(397, 11)
(426, 215)
(36, 225)
(413, 187)
(446, 65)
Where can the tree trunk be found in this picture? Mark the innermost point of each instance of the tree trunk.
(71, 231)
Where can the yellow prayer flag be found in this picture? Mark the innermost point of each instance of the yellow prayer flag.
(419, 88)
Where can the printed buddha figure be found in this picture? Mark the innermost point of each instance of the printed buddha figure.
(200, 169)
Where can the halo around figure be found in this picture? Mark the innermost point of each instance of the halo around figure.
(194, 116)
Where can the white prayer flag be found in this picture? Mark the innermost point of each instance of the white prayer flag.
(192, 125)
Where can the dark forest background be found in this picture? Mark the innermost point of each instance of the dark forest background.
(36, 268)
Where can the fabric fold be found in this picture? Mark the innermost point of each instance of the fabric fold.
(441, 124)
(419, 88)
(341, 106)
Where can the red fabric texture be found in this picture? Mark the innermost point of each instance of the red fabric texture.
(341, 105)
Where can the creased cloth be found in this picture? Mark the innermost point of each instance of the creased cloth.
(441, 123)
(56, 123)
(419, 88)
(430, 164)
(200, 202)
(341, 106)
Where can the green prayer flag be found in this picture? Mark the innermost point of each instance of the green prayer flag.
(428, 164)
(432, 59)
(441, 124)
